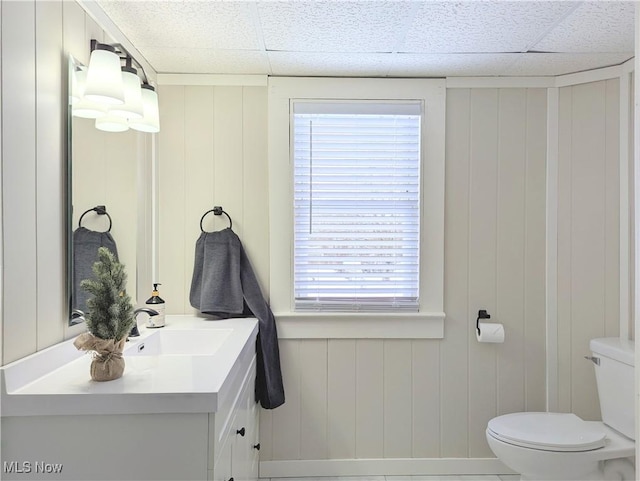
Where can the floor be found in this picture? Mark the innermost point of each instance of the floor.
(467, 477)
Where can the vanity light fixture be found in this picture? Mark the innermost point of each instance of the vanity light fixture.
(104, 79)
(150, 122)
(132, 107)
(138, 107)
(81, 106)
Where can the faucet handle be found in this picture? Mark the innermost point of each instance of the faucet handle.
(134, 330)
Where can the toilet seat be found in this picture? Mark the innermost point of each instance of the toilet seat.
(563, 432)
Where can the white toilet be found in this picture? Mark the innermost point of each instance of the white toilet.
(562, 447)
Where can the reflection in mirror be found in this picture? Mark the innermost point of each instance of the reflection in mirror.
(102, 197)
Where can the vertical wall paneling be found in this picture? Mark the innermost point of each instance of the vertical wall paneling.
(612, 294)
(312, 413)
(374, 399)
(255, 182)
(370, 389)
(551, 276)
(144, 221)
(510, 281)
(425, 407)
(228, 152)
(211, 152)
(482, 262)
(50, 156)
(199, 195)
(172, 226)
(632, 208)
(626, 109)
(564, 312)
(286, 419)
(535, 249)
(341, 398)
(588, 235)
(19, 172)
(397, 399)
(454, 389)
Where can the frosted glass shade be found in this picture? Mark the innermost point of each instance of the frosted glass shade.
(112, 123)
(132, 107)
(88, 110)
(104, 78)
(150, 122)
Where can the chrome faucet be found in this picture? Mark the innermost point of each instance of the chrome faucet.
(134, 330)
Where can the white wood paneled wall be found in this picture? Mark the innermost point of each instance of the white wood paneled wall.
(36, 38)
(588, 235)
(212, 151)
(364, 398)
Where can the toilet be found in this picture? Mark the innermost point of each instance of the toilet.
(562, 446)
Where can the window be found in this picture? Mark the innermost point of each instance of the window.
(356, 205)
(316, 204)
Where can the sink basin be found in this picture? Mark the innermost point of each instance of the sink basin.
(194, 342)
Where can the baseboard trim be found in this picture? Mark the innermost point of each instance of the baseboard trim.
(381, 467)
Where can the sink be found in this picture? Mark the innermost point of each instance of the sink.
(192, 342)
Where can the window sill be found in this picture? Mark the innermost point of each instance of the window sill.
(314, 325)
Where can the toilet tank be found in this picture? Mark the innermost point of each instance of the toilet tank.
(615, 381)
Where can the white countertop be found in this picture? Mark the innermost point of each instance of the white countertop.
(56, 381)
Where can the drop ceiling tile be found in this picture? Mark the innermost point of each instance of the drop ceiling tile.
(334, 26)
(480, 26)
(200, 60)
(593, 27)
(451, 65)
(330, 64)
(564, 63)
(194, 24)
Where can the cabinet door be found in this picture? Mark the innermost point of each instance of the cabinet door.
(245, 451)
(222, 468)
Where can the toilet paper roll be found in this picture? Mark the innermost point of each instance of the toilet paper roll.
(490, 332)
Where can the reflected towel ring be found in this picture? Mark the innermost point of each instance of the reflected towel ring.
(100, 210)
(217, 210)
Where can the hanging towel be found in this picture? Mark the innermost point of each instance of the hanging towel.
(225, 285)
(85, 253)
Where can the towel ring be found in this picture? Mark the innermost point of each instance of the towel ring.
(217, 210)
(100, 210)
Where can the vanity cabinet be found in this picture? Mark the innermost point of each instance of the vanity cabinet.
(234, 432)
(188, 417)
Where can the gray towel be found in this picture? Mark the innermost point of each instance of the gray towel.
(85, 253)
(225, 285)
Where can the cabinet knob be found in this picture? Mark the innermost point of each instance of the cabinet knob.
(256, 446)
(240, 431)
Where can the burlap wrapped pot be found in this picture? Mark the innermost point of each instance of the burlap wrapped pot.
(107, 363)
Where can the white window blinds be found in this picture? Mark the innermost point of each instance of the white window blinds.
(356, 205)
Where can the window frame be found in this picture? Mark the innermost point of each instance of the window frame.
(356, 107)
(428, 321)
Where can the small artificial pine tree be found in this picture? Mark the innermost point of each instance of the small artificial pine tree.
(110, 309)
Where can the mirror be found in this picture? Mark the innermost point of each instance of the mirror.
(102, 199)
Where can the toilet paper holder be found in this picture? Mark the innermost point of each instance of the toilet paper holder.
(482, 314)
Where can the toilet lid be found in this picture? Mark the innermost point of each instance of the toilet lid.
(547, 431)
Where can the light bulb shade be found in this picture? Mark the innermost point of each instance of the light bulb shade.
(104, 78)
(88, 110)
(132, 107)
(150, 122)
(112, 123)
